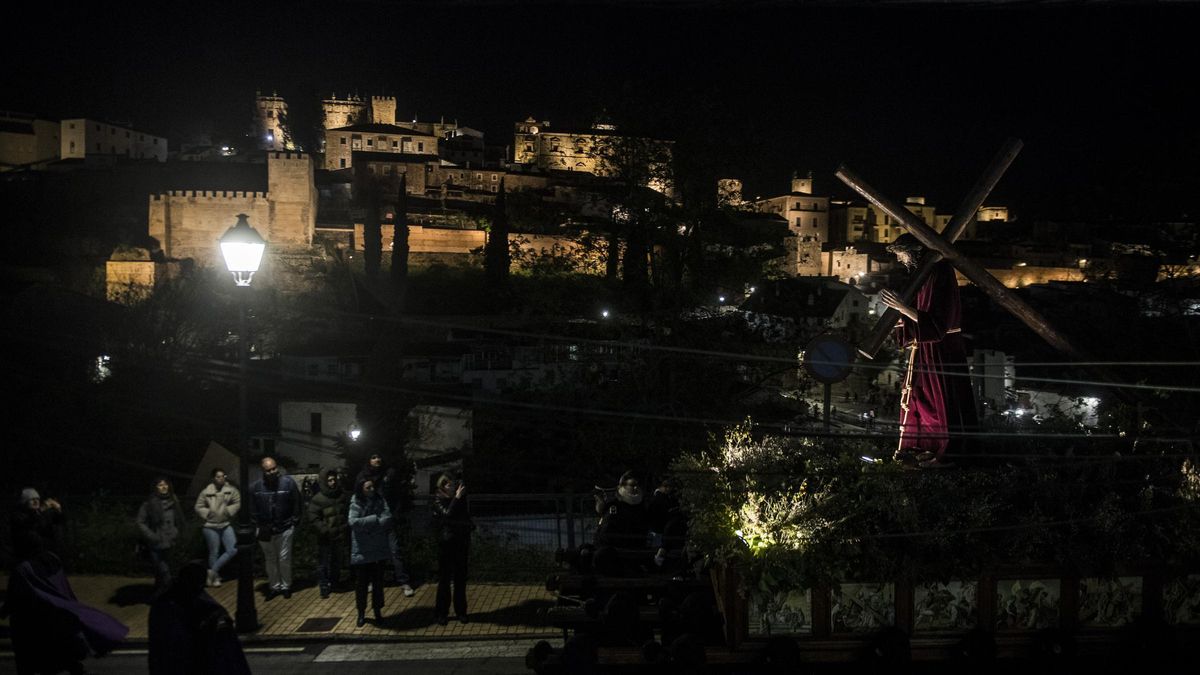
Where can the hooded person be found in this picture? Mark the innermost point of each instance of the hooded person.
(160, 519)
(327, 513)
(190, 632)
(51, 630)
(34, 525)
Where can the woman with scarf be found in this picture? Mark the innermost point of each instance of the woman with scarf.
(160, 520)
(370, 523)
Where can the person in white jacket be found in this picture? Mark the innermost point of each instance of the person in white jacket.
(217, 506)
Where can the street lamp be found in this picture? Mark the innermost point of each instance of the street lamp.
(242, 247)
(355, 431)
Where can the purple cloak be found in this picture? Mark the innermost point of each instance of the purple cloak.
(940, 400)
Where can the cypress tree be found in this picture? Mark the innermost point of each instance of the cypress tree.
(496, 257)
(372, 237)
(400, 241)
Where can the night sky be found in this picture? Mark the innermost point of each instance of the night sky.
(916, 99)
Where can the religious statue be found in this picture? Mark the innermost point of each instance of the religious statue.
(936, 402)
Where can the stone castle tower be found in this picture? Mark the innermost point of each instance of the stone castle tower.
(343, 112)
(383, 110)
(271, 122)
(802, 185)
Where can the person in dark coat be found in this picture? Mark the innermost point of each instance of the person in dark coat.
(35, 525)
(191, 633)
(51, 630)
(389, 485)
(937, 403)
(275, 508)
(667, 522)
(327, 513)
(623, 520)
(370, 521)
(160, 520)
(452, 526)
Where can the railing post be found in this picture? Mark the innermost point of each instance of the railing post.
(570, 520)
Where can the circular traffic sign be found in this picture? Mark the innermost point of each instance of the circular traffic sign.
(828, 358)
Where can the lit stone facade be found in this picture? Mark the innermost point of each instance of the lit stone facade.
(586, 151)
(383, 109)
(339, 112)
(26, 140)
(342, 143)
(273, 132)
(850, 223)
(188, 223)
(807, 214)
(82, 137)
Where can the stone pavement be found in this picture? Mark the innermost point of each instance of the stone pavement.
(512, 611)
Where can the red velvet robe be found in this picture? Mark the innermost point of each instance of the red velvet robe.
(941, 400)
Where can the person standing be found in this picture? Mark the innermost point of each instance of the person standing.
(328, 513)
(370, 521)
(190, 632)
(936, 403)
(275, 509)
(217, 506)
(160, 519)
(452, 525)
(387, 484)
(35, 525)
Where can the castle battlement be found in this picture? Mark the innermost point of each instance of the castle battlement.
(287, 155)
(230, 195)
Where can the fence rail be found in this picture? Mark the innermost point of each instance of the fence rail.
(515, 539)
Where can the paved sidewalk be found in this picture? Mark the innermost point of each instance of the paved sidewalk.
(512, 611)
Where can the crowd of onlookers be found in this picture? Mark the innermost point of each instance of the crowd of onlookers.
(355, 523)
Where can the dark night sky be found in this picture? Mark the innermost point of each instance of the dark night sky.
(916, 99)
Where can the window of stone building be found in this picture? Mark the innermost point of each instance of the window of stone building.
(271, 114)
(495, 188)
(814, 222)
(387, 169)
(479, 177)
(395, 144)
(420, 147)
(72, 146)
(71, 125)
(342, 140)
(799, 221)
(495, 178)
(528, 147)
(342, 163)
(156, 141)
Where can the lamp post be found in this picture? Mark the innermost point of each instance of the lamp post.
(242, 247)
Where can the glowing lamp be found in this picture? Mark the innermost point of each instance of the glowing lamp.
(242, 247)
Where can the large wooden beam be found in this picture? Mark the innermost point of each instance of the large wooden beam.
(972, 270)
(963, 217)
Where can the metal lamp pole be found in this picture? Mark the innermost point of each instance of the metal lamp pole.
(242, 248)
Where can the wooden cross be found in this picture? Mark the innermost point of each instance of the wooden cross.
(942, 247)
